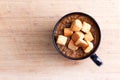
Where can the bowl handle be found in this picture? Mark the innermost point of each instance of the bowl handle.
(96, 59)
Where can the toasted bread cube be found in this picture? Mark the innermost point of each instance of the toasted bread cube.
(77, 35)
(61, 40)
(81, 43)
(72, 45)
(89, 36)
(76, 25)
(89, 48)
(86, 27)
(68, 32)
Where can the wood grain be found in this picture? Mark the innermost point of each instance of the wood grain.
(27, 51)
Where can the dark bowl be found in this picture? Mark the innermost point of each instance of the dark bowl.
(82, 14)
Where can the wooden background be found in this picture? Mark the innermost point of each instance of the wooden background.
(26, 49)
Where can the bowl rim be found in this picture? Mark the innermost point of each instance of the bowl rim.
(55, 27)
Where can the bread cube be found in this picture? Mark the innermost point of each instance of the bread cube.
(68, 32)
(72, 45)
(61, 40)
(86, 27)
(81, 43)
(89, 36)
(77, 35)
(76, 25)
(89, 48)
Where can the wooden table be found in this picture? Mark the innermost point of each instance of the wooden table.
(26, 49)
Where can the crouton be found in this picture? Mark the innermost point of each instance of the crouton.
(89, 36)
(81, 43)
(61, 40)
(68, 32)
(89, 48)
(76, 25)
(77, 35)
(86, 27)
(72, 45)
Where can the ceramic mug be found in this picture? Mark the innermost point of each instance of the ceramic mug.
(92, 54)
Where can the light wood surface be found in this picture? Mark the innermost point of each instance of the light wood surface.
(26, 49)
